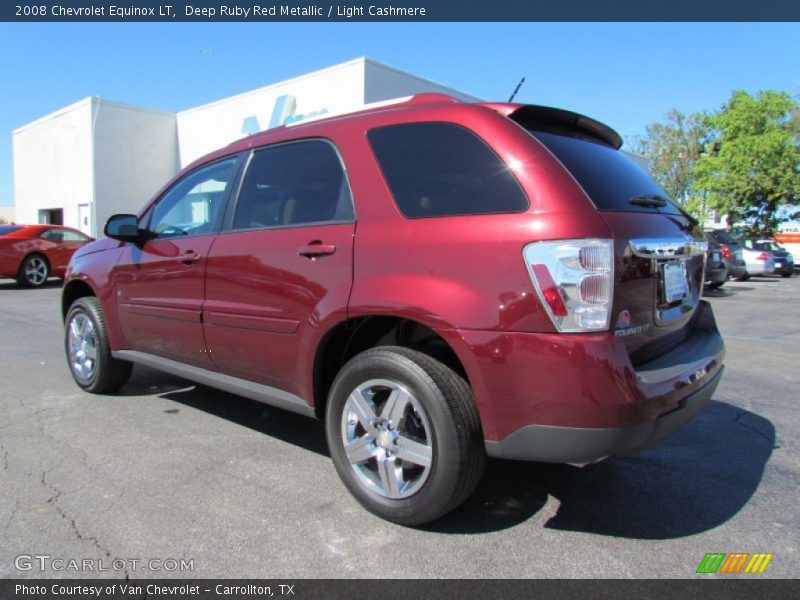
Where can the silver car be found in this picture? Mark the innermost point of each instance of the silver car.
(758, 262)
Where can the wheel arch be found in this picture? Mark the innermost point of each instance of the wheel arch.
(36, 252)
(357, 334)
(74, 289)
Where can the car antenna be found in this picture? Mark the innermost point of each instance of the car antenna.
(516, 89)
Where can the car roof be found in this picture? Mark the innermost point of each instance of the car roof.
(424, 106)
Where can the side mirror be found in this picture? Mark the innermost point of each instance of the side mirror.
(123, 227)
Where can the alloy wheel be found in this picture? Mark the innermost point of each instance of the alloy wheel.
(82, 342)
(35, 271)
(387, 438)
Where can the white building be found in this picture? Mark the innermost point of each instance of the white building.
(81, 164)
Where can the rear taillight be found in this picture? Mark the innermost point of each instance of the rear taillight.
(763, 256)
(574, 280)
(726, 252)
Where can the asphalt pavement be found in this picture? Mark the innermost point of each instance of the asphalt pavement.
(169, 479)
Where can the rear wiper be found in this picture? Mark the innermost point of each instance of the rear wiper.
(649, 201)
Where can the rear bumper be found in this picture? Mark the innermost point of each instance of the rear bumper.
(577, 397)
(581, 445)
(736, 271)
(716, 274)
(760, 268)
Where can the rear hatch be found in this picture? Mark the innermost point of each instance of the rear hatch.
(659, 252)
(736, 253)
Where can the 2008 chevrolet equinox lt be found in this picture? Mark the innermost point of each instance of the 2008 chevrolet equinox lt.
(438, 281)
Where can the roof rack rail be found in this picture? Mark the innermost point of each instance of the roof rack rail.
(424, 98)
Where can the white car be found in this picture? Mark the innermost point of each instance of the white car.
(759, 262)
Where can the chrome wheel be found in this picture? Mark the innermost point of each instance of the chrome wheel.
(35, 270)
(82, 341)
(387, 438)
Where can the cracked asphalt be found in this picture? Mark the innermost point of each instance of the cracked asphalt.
(168, 470)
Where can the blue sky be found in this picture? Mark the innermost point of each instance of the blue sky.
(627, 75)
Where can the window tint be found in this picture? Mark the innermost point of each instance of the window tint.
(6, 229)
(192, 206)
(440, 169)
(64, 235)
(52, 235)
(74, 236)
(723, 237)
(766, 245)
(608, 176)
(294, 184)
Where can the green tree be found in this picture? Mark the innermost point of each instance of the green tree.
(671, 149)
(751, 163)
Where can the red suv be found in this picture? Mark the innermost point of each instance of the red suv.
(439, 281)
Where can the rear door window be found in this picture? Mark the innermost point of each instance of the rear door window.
(441, 169)
(297, 183)
(609, 177)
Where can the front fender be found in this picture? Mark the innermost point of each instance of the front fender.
(95, 270)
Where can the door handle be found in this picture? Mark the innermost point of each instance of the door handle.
(316, 249)
(189, 258)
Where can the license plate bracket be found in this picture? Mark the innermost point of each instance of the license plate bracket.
(673, 281)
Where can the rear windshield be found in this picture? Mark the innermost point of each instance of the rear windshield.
(441, 169)
(723, 237)
(609, 177)
(6, 229)
(771, 246)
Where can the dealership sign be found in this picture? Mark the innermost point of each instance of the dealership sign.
(283, 113)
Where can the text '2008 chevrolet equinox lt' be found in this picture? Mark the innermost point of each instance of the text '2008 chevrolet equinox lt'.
(438, 281)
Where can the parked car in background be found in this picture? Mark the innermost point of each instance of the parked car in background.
(784, 261)
(731, 250)
(438, 281)
(716, 271)
(32, 253)
(758, 262)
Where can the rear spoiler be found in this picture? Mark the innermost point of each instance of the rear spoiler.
(556, 120)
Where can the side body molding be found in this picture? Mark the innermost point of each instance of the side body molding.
(248, 389)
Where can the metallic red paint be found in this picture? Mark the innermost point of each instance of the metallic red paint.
(254, 307)
(18, 245)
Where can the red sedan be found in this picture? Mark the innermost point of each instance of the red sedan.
(32, 253)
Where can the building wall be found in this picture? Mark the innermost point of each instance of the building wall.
(53, 163)
(136, 153)
(97, 157)
(8, 214)
(334, 90)
(382, 82)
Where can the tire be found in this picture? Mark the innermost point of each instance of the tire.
(715, 285)
(434, 432)
(787, 274)
(744, 277)
(85, 334)
(34, 271)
